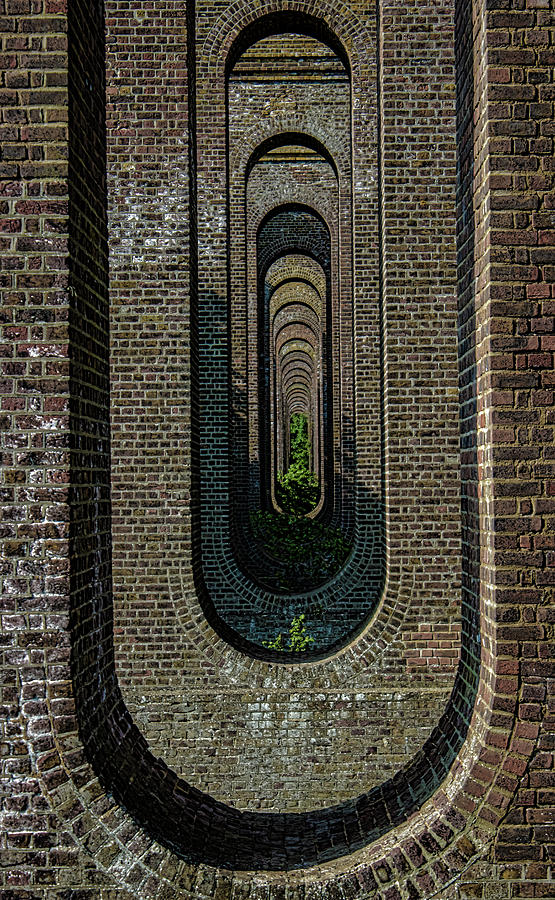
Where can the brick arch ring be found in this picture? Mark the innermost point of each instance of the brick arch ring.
(263, 137)
(347, 584)
(314, 19)
(297, 268)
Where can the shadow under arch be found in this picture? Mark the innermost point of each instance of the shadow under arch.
(313, 241)
(283, 22)
(290, 138)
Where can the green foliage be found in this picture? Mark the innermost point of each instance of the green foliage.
(297, 489)
(298, 440)
(276, 644)
(299, 640)
(308, 552)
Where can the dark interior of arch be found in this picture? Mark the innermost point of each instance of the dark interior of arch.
(296, 138)
(191, 823)
(292, 229)
(285, 231)
(284, 22)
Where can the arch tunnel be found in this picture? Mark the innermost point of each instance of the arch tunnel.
(224, 755)
(292, 315)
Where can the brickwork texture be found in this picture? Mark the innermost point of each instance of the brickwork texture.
(213, 215)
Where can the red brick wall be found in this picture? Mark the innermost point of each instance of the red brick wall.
(398, 789)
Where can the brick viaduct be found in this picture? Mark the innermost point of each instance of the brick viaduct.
(214, 215)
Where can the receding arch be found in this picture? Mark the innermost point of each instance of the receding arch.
(303, 230)
(286, 229)
(294, 138)
(248, 149)
(284, 22)
(397, 786)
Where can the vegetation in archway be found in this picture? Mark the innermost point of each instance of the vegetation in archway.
(298, 489)
(300, 445)
(306, 553)
(298, 640)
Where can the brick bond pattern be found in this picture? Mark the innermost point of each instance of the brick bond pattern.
(484, 828)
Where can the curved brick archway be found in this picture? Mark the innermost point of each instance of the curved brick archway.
(280, 232)
(297, 378)
(373, 806)
(288, 183)
(250, 612)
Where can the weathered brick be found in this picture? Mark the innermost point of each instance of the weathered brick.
(263, 736)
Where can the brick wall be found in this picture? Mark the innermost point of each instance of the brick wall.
(379, 770)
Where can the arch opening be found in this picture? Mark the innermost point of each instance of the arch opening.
(180, 813)
(290, 199)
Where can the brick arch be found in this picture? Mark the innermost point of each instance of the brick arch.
(299, 341)
(272, 134)
(212, 66)
(305, 296)
(303, 312)
(303, 325)
(335, 21)
(292, 229)
(287, 312)
(320, 139)
(274, 820)
(279, 22)
(298, 347)
(308, 230)
(281, 276)
(296, 383)
(301, 268)
(296, 374)
(327, 210)
(324, 202)
(282, 139)
(236, 505)
(324, 212)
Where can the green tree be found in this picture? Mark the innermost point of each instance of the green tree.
(297, 489)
